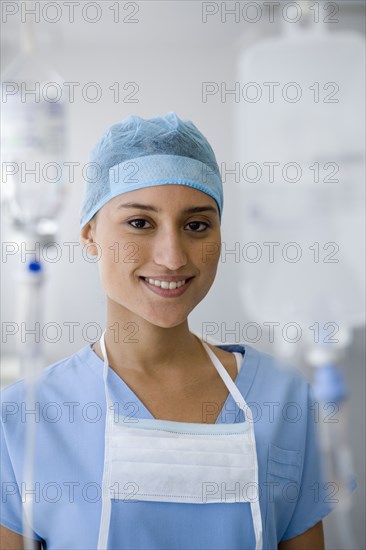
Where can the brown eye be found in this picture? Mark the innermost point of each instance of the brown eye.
(140, 223)
(194, 226)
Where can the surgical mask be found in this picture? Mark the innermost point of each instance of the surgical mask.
(167, 461)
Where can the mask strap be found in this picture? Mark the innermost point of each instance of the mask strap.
(239, 399)
(229, 383)
(106, 498)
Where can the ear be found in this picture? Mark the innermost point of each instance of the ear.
(87, 238)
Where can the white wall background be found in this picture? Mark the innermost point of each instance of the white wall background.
(168, 53)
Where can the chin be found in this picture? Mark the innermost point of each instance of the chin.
(166, 321)
(166, 324)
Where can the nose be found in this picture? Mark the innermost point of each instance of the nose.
(169, 250)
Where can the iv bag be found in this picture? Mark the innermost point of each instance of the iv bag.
(33, 141)
(307, 215)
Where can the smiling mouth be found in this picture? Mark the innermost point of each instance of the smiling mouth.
(166, 285)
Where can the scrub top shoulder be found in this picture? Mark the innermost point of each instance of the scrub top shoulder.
(69, 417)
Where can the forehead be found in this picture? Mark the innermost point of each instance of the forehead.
(170, 197)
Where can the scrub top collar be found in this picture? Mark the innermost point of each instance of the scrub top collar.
(122, 393)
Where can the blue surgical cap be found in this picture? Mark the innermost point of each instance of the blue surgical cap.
(138, 153)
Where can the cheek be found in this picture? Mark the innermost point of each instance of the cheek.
(212, 269)
(131, 253)
(119, 252)
(119, 260)
(210, 250)
(112, 263)
(209, 257)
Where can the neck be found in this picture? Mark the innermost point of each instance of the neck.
(134, 343)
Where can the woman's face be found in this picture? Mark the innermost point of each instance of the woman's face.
(153, 233)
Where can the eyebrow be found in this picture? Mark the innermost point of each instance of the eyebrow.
(192, 210)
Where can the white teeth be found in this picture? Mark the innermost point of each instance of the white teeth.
(165, 284)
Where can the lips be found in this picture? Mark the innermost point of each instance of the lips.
(167, 286)
(169, 278)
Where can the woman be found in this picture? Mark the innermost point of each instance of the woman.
(161, 440)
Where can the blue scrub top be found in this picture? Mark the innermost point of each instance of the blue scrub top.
(70, 417)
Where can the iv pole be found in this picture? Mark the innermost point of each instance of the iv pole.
(37, 231)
